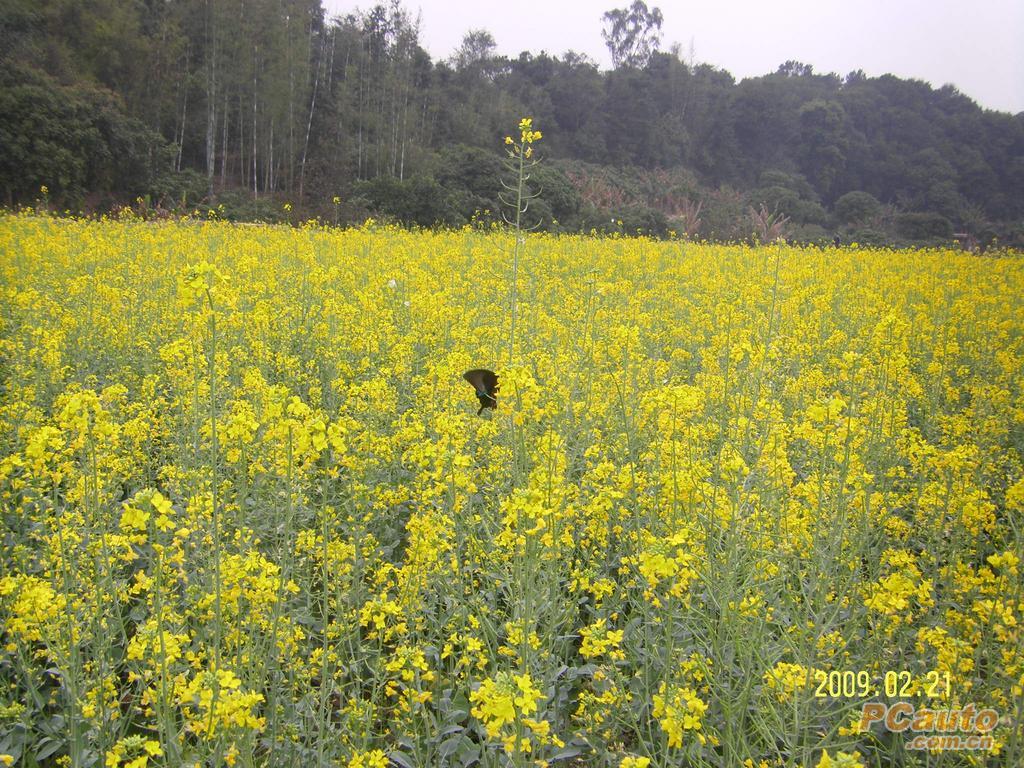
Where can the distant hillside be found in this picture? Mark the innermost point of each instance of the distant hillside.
(249, 104)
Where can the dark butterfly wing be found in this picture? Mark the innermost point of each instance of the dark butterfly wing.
(482, 380)
(485, 383)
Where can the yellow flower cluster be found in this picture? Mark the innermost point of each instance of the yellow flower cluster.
(841, 760)
(133, 752)
(33, 606)
(598, 641)
(902, 592)
(527, 136)
(374, 758)
(784, 679)
(214, 701)
(679, 709)
(504, 704)
(526, 132)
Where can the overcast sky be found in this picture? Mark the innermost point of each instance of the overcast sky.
(975, 45)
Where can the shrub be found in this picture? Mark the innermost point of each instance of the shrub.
(857, 207)
(924, 227)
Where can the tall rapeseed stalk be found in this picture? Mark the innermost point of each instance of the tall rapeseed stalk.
(520, 161)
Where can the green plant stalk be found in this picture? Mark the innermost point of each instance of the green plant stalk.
(215, 519)
(515, 256)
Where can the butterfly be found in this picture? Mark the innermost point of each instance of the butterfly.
(485, 383)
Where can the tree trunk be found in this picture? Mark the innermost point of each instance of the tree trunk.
(184, 116)
(211, 102)
(309, 124)
(255, 167)
(269, 183)
(291, 97)
(224, 144)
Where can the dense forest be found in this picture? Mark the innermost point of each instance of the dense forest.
(270, 109)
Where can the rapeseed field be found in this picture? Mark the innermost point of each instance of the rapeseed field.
(733, 502)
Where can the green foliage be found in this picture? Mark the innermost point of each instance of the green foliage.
(560, 201)
(46, 140)
(824, 141)
(471, 179)
(236, 205)
(788, 195)
(809, 234)
(416, 201)
(924, 228)
(641, 220)
(116, 97)
(179, 189)
(867, 236)
(857, 207)
(632, 34)
(72, 140)
(725, 216)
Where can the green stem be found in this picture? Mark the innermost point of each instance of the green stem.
(515, 256)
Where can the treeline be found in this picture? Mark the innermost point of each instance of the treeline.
(242, 105)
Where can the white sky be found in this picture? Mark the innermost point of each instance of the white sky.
(977, 46)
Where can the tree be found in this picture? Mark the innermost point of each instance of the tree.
(924, 227)
(476, 51)
(274, 97)
(823, 142)
(793, 68)
(74, 141)
(857, 207)
(632, 34)
(576, 91)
